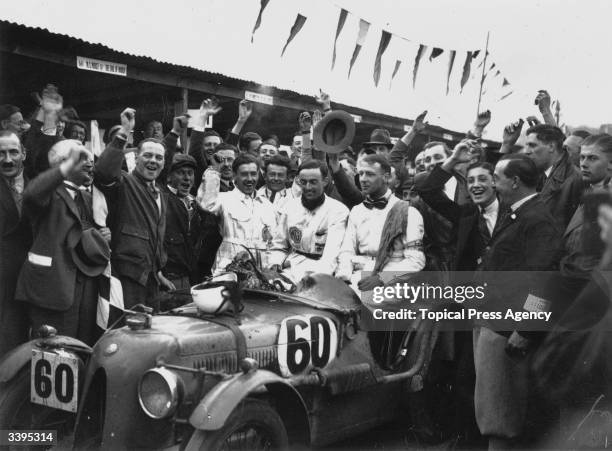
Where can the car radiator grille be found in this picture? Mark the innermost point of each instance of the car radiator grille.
(267, 358)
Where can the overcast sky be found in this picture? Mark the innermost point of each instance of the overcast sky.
(563, 46)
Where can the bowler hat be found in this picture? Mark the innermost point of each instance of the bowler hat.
(380, 136)
(181, 160)
(335, 132)
(90, 253)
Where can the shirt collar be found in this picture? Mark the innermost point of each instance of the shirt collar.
(548, 171)
(69, 183)
(268, 192)
(515, 206)
(492, 207)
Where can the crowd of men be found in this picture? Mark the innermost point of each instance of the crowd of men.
(166, 217)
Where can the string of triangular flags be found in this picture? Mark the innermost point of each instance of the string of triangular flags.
(385, 39)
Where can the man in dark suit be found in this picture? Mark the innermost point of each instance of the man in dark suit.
(561, 184)
(58, 279)
(473, 222)
(137, 215)
(183, 238)
(525, 240)
(15, 240)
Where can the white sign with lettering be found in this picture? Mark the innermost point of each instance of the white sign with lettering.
(357, 118)
(257, 97)
(105, 67)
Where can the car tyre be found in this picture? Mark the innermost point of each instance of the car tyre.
(18, 413)
(253, 425)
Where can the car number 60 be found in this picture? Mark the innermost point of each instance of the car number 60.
(304, 342)
(54, 380)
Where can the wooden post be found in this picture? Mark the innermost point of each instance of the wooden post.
(180, 107)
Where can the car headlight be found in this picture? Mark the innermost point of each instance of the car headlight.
(159, 392)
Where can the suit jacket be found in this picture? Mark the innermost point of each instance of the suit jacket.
(15, 241)
(563, 190)
(48, 276)
(183, 238)
(526, 246)
(136, 223)
(469, 245)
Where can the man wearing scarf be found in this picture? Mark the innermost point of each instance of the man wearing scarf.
(311, 227)
(380, 236)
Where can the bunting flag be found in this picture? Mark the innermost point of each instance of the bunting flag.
(363, 32)
(385, 38)
(475, 54)
(263, 5)
(295, 29)
(505, 83)
(466, 70)
(451, 61)
(435, 52)
(341, 20)
(417, 60)
(497, 73)
(398, 63)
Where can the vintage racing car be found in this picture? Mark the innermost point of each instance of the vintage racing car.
(285, 369)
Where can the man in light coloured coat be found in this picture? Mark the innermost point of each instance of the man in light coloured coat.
(312, 226)
(365, 228)
(246, 218)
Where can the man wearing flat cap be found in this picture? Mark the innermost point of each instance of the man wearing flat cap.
(58, 280)
(183, 239)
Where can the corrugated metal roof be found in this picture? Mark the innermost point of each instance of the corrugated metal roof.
(19, 34)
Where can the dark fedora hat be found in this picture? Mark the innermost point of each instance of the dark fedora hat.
(90, 253)
(380, 136)
(335, 132)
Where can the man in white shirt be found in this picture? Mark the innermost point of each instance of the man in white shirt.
(366, 223)
(246, 218)
(474, 222)
(312, 226)
(276, 173)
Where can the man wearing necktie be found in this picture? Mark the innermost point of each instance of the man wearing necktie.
(137, 215)
(362, 239)
(473, 222)
(58, 281)
(311, 227)
(15, 240)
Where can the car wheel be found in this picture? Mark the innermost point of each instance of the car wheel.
(253, 425)
(18, 413)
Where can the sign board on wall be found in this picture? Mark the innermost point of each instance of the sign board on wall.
(259, 98)
(106, 67)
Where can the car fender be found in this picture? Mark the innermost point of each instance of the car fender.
(214, 409)
(20, 356)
